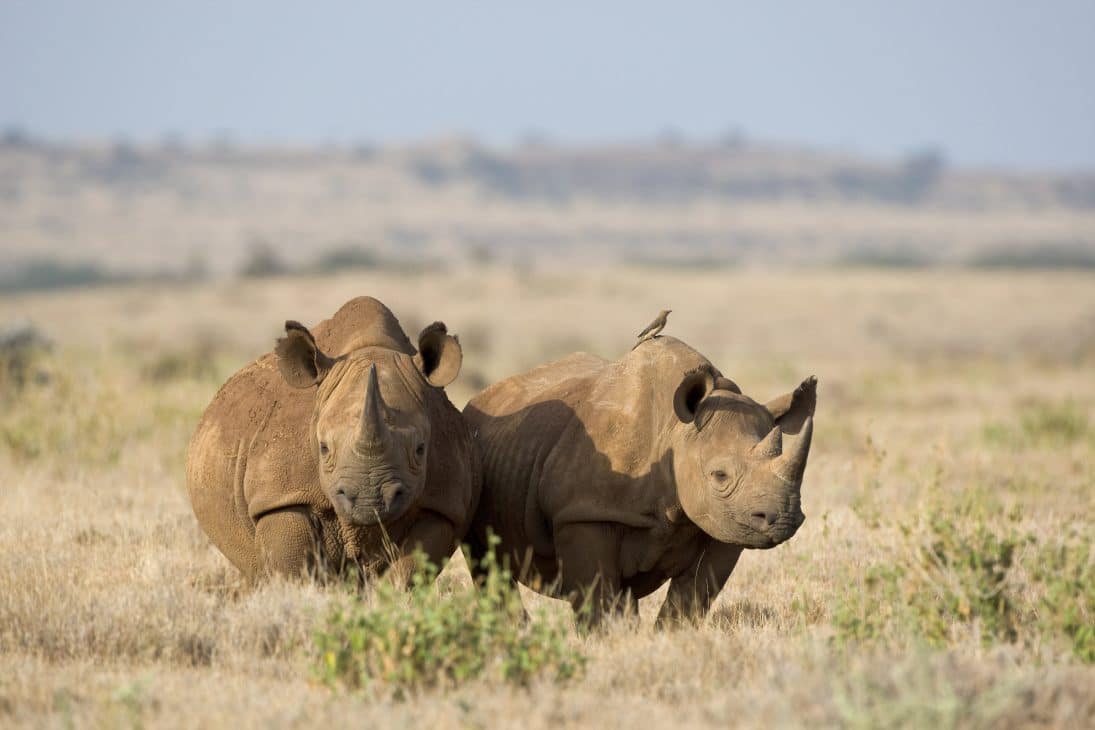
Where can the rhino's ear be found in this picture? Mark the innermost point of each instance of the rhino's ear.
(695, 386)
(792, 410)
(439, 355)
(300, 361)
(722, 383)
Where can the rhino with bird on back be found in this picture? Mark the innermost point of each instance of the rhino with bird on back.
(338, 451)
(603, 480)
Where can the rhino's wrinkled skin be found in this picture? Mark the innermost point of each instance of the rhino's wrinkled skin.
(615, 477)
(338, 451)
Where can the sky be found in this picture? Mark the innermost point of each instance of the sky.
(999, 84)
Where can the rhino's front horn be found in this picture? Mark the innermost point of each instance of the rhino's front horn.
(374, 429)
(792, 463)
(771, 446)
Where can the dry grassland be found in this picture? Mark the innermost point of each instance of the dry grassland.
(956, 410)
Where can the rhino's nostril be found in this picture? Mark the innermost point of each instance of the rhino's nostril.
(393, 495)
(342, 501)
(765, 519)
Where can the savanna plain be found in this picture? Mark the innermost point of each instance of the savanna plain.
(944, 576)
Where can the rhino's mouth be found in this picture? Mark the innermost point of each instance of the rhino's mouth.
(774, 529)
(758, 529)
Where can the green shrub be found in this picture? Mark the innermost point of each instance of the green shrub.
(1060, 422)
(951, 574)
(1041, 424)
(414, 639)
(71, 415)
(1065, 573)
(965, 568)
(346, 258)
(196, 362)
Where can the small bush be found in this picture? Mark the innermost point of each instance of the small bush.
(262, 260)
(69, 416)
(417, 639)
(1060, 422)
(951, 574)
(1066, 573)
(198, 361)
(22, 350)
(1041, 424)
(966, 570)
(346, 258)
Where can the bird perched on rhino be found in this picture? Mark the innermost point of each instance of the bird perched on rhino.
(654, 327)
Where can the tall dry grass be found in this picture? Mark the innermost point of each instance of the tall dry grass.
(963, 395)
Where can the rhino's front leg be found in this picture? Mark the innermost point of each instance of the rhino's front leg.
(589, 563)
(692, 592)
(286, 542)
(433, 536)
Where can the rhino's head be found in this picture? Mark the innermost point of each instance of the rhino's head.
(738, 464)
(371, 427)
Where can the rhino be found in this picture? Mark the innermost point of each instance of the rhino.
(602, 479)
(339, 452)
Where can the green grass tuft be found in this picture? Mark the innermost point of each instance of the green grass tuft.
(410, 640)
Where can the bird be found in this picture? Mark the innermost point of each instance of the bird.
(653, 328)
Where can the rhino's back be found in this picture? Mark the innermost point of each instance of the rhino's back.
(566, 380)
(620, 407)
(576, 436)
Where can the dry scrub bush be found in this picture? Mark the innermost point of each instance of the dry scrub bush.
(964, 568)
(75, 412)
(424, 637)
(1042, 424)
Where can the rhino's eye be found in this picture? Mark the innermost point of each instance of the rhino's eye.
(323, 450)
(420, 451)
(719, 475)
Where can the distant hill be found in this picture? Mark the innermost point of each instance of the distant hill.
(734, 171)
(174, 209)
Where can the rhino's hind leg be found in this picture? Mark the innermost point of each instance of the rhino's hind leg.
(692, 592)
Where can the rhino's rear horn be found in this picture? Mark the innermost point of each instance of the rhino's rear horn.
(792, 463)
(374, 429)
(771, 446)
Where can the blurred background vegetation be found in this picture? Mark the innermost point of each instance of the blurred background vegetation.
(76, 215)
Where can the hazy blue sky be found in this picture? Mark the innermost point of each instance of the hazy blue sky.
(993, 83)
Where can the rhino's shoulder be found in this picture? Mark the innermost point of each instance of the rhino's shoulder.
(257, 382)
(643, 375)
(661, 358)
